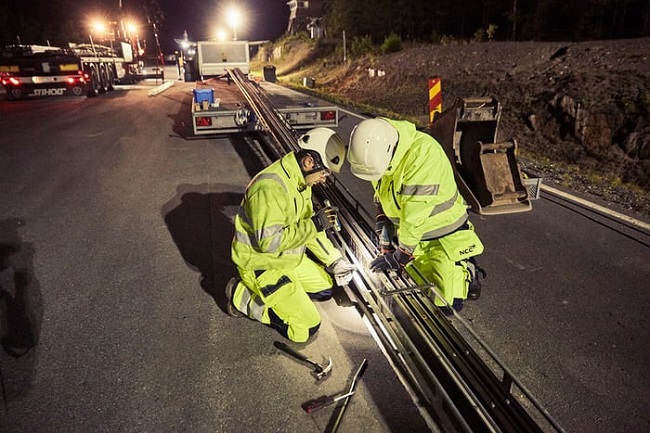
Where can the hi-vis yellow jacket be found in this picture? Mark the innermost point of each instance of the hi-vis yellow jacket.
(273, 228)
(418, 192)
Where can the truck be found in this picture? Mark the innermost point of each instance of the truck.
(221, 108)
(76, 70)
(116, 55)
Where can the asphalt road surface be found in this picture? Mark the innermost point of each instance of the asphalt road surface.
(115, 230)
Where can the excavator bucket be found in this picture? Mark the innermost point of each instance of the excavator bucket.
(487, 172)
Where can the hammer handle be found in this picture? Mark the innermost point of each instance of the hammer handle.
(325, 400)
(287, 349)
(317, 403)
(337, 416)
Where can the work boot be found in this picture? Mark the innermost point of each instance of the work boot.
(230, 292)
(475, 272)
(474, 290)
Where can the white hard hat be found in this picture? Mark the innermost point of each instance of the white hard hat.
(372, 144)
(327, 144)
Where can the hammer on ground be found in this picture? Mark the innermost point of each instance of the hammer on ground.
(319, 372)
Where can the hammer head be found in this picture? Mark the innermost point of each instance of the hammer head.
(322, 371)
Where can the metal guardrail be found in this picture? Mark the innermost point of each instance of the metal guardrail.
(456, 381)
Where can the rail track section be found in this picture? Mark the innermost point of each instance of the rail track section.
(457, 382)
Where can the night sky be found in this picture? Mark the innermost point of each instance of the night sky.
(262, 19)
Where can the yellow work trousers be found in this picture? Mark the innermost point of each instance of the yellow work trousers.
(280, 297)
(443, 262)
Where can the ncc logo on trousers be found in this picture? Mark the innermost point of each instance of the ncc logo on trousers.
(467, 250)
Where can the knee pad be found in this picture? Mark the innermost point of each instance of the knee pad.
(323, 295)
(457, 305)
(313, 330)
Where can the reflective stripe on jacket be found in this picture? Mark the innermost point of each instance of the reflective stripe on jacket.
(273, 227)
(418, 191)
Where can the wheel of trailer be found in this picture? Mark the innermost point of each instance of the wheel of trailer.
(103, 79)
(94, 84)
(111, 80)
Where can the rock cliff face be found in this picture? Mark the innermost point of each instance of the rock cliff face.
(579, 111)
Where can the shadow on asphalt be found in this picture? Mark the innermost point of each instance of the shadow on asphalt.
(21, 312)
(182, 118)
(200, 221)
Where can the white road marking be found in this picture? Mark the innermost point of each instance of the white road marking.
(594, 206)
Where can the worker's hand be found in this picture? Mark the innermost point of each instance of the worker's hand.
(342, 271)
(395, 260)
(325, 218)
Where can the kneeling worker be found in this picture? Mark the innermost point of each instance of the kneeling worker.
(419, 205)
(275, 227)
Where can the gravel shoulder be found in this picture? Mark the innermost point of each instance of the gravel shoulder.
(580, 112)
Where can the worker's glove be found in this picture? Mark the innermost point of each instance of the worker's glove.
(385, 231)
(342, 271)
(326, 218)
(395, 260)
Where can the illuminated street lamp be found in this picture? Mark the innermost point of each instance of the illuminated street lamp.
(131, 29)
(221, 35)
(234, 19)
(99, 27)
(107, 30)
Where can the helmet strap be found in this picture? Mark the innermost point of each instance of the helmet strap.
(318, 162)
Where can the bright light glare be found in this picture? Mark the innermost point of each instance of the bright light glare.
(131, 28)
(234, 18)
(221, 35)
(99, 26)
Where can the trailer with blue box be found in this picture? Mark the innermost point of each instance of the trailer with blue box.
(204, 95)
(219, 107)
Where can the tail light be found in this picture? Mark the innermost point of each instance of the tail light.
(328, 115)
(7, 79)
(10, 81)
(204, 121)
(74, 79)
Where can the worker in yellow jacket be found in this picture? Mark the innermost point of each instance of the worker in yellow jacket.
(275, 227)
(422, 221)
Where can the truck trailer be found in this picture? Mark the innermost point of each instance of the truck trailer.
(77, 70)
(221, 108)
